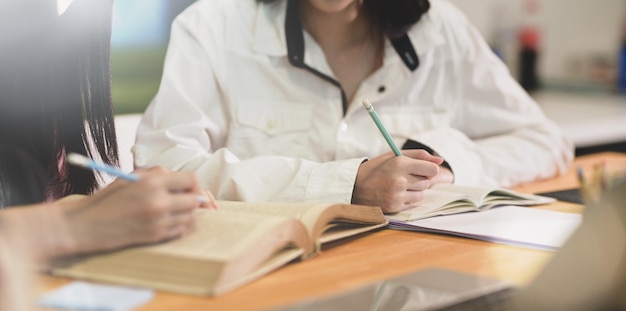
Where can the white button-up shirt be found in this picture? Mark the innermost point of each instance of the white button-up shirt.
(254, 127)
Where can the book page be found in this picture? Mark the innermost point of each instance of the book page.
(220, 235)
(316, 217)
(521, 226)
(293, 210)
(435, 203)
(446, 199)
(339, 221)
(224, 250)
(487, 197)
(510, 197)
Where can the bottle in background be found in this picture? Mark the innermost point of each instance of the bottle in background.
(529, 40)
(621, 78)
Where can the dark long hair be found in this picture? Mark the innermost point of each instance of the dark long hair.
(55, 89)
(395, 17)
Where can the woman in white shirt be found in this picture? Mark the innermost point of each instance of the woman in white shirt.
(262, 101)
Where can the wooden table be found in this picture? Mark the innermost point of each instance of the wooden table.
(384, 254)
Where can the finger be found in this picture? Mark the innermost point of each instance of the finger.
(208, 201)
(412, 198)
(418, 183)
(183, 181)
(420, 154)
(176, 232)
(423, 168)
(173, 226)
(183, 202)
(186, 182)
(180, 224)
(174, 181)
(402, 201)
(414, 166)
(181, 219)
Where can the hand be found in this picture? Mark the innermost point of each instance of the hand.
(158, 207)
(445, 176)
(209, 200)
(395, 183)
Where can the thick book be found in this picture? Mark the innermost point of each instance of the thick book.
(447, 199)
(228, 247)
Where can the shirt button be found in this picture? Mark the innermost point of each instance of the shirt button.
(381, 89)
(343, 126)
(271, 124)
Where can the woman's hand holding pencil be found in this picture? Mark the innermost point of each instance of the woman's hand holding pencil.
(205, 198)
(147, 206)
(396, 181)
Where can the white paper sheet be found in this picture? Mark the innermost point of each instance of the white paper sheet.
(521, 226)
(86, 296)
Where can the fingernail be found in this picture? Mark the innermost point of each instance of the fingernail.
(213, 205)
(201, 199)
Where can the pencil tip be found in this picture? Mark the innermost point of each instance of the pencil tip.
(366, 103)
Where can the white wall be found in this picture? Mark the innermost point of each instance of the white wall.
(577, 31)
(574, 32)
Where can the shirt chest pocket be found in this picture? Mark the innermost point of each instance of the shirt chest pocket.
(271, 130)
(405, 122)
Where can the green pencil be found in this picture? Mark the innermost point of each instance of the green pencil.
(370, 109)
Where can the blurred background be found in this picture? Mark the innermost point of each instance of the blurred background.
(578, 42)
(569, 54)
(139, 40)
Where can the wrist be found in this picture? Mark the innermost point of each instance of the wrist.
(39, 228)
(58, 240)
(73, 234)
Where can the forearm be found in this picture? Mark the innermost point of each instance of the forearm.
(262, 178)
(16, 276)
(522, 155)
(41, 230)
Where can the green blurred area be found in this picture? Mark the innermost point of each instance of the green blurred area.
(136, 74)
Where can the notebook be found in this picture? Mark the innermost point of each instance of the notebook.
(587, 273)
(513, 225)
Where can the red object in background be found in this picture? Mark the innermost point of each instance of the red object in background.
(529, 38)
(529, 34)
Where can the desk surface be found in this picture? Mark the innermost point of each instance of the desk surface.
(384, 254)
(588, 119)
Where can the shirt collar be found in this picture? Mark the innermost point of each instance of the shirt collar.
(269, 35)
(278, 32)
(426, 34)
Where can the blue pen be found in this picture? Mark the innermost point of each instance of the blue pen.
(370, 109)
(83, 161)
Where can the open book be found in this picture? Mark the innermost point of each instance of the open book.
(446, 199)
(228, 248)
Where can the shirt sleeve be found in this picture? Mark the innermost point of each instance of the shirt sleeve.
(500, 135)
